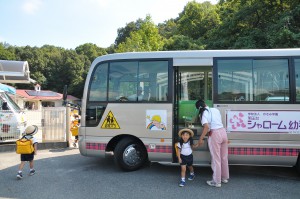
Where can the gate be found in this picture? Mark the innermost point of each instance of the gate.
(54, 124)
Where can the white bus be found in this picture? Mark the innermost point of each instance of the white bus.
(134, 104)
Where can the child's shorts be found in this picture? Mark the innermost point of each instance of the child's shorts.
(186, 159)
(27, 157)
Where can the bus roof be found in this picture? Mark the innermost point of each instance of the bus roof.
(203, 56)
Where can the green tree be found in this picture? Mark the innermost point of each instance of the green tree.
(36, 62)
(91, 51)
(256, 24)
(7, 52)
(168, 28)
(146, 38)
(124, 33)
(71, 72)
(181, 42)
(286, 32)
(52, 57)
(110, 49)
(197, 19)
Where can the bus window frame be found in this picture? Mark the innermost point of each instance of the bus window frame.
(292, 81)
(170, 79)
(293, 71)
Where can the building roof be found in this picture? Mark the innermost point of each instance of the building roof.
(39, 95)
(43, 95)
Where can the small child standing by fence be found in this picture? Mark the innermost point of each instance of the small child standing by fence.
(29, 132)
(184, 153)
(75, 128)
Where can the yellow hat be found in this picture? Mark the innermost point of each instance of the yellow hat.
(186, 130)
(156, 118)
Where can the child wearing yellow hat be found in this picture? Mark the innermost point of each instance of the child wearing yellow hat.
(28, 134)
(185, 154)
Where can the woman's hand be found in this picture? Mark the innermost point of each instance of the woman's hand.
(200, 142)
(179, 160)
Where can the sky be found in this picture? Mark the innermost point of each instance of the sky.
(70, 23)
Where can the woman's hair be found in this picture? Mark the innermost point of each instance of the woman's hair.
(189, 140)
(200, 105)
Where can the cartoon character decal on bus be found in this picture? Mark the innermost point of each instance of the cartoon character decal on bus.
(156, 120)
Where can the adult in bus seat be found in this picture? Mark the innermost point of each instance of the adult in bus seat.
(147, 94)
(139, 96)
(217, 141)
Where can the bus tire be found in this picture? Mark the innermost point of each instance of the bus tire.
(130, 154)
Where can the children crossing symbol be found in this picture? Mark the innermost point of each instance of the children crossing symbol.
(110, 122)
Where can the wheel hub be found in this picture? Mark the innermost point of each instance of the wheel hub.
(131, 155)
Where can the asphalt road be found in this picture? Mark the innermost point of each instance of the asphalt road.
(67, 174)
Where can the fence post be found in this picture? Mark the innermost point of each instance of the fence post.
(68, 121)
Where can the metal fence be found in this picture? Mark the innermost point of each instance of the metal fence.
(54, 124)
(51, 122)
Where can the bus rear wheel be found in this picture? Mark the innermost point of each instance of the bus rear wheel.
(130, 155)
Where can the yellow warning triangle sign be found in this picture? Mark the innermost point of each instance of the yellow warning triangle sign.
(110, 122)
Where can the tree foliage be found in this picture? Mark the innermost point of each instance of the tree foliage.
(91, 51)
(168, 29)
(146, 38)
(256, 24)
(124, 33)
(197, 19)
(181, 42)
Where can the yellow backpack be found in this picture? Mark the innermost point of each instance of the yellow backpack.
(24, 146)
(74, 130)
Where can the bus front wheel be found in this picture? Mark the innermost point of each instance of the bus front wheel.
(129, 154)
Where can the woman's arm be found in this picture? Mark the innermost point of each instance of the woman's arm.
(204, 132)
(178, 154)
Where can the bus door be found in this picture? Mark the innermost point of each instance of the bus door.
(192, 83)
